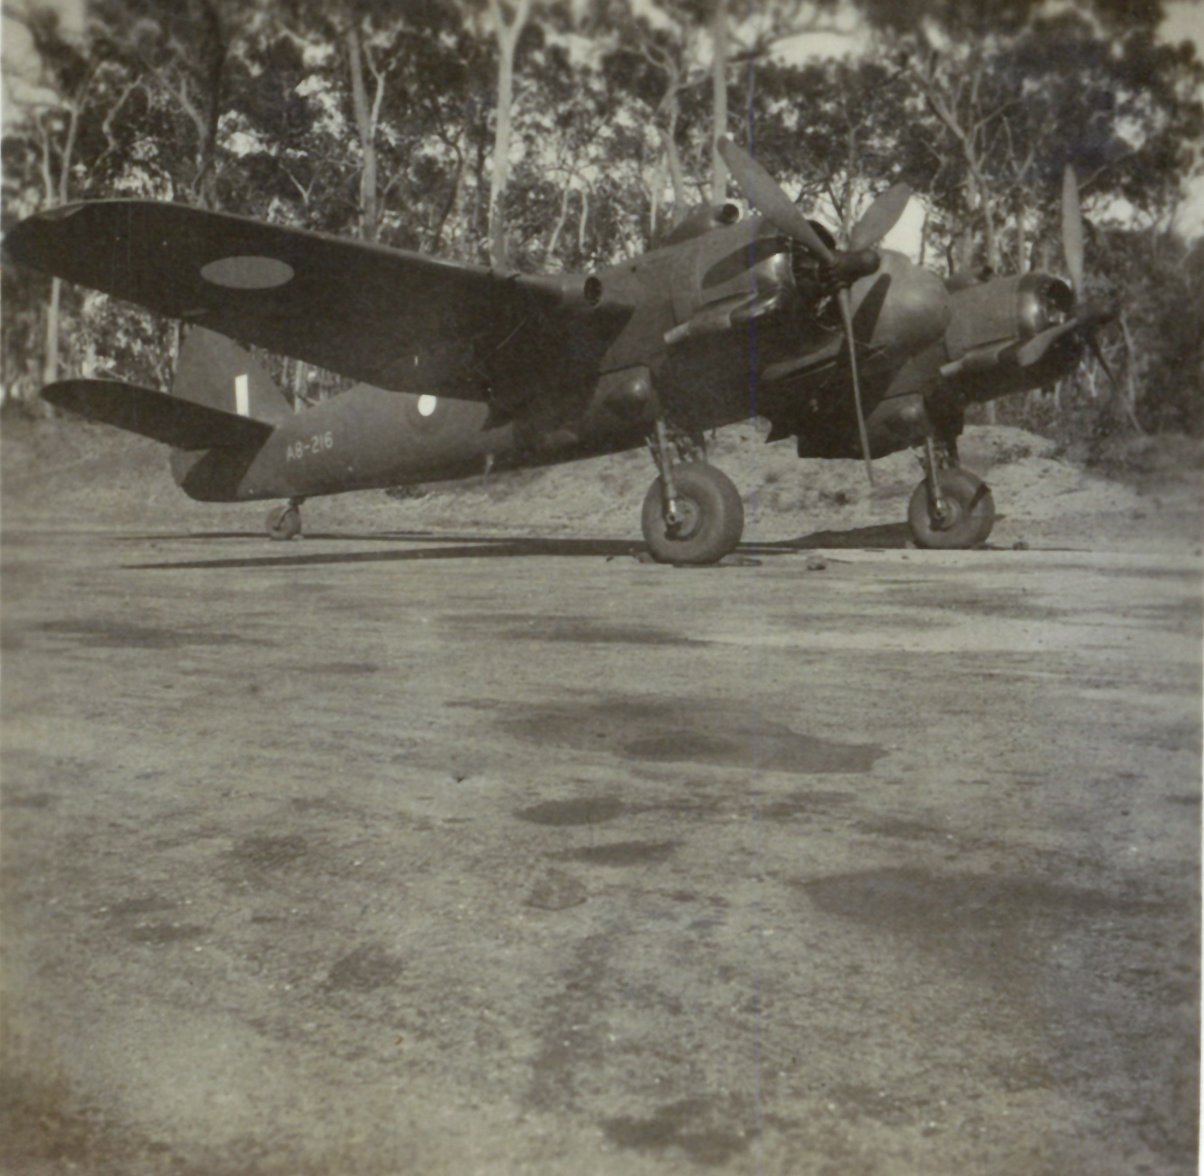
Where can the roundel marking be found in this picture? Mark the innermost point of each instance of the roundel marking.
(427, 404)
(247, 272)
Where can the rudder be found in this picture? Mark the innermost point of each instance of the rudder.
(216, 372)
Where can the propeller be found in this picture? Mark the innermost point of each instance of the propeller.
(1072, 231)
(841, 267)
(1084, 316)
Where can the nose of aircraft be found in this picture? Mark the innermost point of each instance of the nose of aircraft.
(901, 308)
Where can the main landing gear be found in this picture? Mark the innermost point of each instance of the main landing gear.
(284, 522)
(951, 507)
(692, 513)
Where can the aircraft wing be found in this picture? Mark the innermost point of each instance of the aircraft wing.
(392, 318)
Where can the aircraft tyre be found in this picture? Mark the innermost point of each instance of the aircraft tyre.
(970, 512)
(712, 517)
(284, 522)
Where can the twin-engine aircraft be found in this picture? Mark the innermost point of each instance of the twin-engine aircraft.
(852, 351)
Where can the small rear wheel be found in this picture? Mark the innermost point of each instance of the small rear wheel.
(968, 516)
(710, 522)
(284, 522)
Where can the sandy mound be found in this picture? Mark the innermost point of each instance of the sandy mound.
(1145, 492)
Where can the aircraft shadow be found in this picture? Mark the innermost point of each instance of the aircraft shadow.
(449, 547)
(881, 535)
(884, 536)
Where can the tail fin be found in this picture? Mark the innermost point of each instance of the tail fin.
(216, 372)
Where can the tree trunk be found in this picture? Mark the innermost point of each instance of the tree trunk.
(561, 220)
(1021, 235)
(719, 101)
(1130, 402)
(50, 359)
(508, 31)
(213, 49)
(676, 175)
(369, 211)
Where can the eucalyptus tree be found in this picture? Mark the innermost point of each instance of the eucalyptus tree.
(65, 135)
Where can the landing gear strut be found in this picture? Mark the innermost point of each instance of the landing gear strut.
(692, 513)
(284, 522)
(951, 507)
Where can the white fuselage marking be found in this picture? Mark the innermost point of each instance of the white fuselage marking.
(242, 396)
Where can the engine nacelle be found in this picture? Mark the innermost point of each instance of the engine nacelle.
(1002, 310)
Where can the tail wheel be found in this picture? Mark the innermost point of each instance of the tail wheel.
(967, 518)
(284, 522)
(711, 517)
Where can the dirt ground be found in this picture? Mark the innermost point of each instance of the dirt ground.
(454, 838)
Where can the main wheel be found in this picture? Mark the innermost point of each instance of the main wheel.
(711, 517)
(969, 512)
(284, 522)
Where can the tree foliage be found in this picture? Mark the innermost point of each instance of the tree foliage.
(383, 120)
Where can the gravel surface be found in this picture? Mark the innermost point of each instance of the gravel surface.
(446, 844)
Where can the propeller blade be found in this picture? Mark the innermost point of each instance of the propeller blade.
(777, 208)
(1072, 231)
(880, 217)
(846, 314)
(869, 310)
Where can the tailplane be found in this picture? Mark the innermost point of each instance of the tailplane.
(182, 424)
(221, 398)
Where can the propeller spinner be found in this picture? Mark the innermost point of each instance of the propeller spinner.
(842, 267)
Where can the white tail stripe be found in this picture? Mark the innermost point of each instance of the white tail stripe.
(242, 396)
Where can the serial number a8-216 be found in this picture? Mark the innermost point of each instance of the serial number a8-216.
(314, 445)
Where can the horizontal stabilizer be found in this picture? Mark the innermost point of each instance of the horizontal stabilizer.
(182, 424)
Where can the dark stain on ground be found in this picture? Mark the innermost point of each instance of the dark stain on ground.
(691, 732)
(31, 800)
(886, 1106)
(269, 853)
(804, 804)
(765, 746)
(139, 906)
(1190, 576)
(316, 804)
(164, 932)
(568, 1032)
(588, 810)
(589, 631)
(364, 969)
(586, 630)
(102, 634)
(349, 668)
(620, 853)
(905, 830)
(1178, 614)
(555, 890)
(1008, 603)
(46, 1129)
(986, 920)
(693, 1125)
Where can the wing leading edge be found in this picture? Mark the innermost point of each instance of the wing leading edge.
(392, 318)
